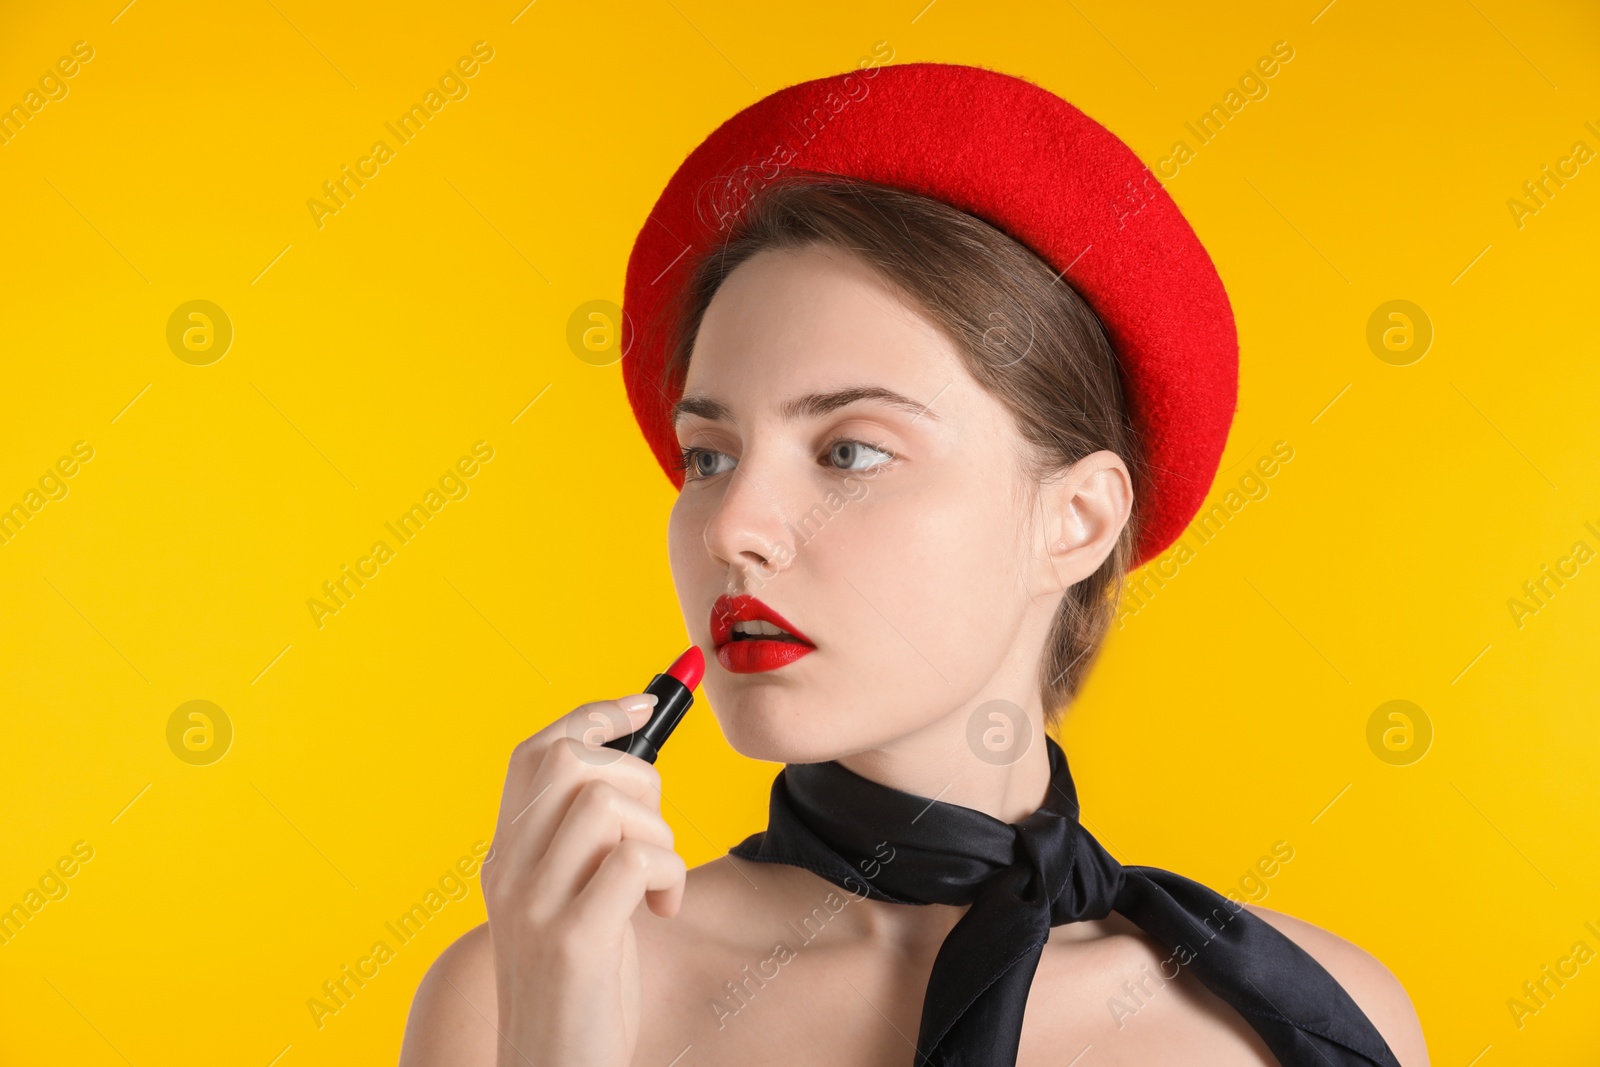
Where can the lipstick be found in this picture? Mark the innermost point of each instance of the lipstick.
(747, 654)
(674, 692)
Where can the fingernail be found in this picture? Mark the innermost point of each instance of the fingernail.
(637, 702)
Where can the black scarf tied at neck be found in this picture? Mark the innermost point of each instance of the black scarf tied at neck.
(1023, 878)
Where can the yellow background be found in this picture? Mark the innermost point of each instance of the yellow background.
(1226, 715)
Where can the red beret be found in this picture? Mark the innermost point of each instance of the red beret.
(1025, 161)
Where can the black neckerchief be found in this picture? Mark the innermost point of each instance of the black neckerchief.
(1020, 880)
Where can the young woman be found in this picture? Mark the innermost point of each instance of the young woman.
(910, 447)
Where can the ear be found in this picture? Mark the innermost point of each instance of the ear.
(1083, 510)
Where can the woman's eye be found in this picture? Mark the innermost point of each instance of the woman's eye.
(697, 462)
(693, 462)
(846, 454)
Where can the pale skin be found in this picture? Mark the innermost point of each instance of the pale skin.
(927, 595)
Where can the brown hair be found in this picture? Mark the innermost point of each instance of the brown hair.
(1022, 331)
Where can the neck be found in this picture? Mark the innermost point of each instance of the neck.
(921, 765)
(989, 756)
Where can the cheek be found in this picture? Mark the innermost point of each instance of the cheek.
(961, 562)
(919, 615)
(946, 538)
(686, 555)
(934, 581)
(934, 547)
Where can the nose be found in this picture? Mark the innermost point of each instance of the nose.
(748, 531)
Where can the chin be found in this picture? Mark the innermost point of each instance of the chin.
(763, 723)
(763, 737)
(778, 726)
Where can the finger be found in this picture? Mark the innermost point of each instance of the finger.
(666, 902)
(611, 718)
(600, 721)
(600, 818)
(592, 724)
(526, 834)
(633, 869)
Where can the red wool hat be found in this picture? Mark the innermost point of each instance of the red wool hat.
(1025, 161)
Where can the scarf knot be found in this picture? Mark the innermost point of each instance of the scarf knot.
(1080, 879)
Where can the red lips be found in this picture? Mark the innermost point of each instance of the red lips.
(753, 655)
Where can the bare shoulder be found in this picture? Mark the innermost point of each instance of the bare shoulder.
(1111, 985)
(1370, 984)
(451, 1022)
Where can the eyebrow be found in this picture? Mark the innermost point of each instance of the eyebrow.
(811, 405)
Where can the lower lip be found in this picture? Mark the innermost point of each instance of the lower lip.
(753, 657)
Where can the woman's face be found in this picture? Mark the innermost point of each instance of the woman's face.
(896, 538)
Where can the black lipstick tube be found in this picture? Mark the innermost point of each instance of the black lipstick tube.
(672, 700)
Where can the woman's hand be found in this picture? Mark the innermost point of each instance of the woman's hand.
(578, 842)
